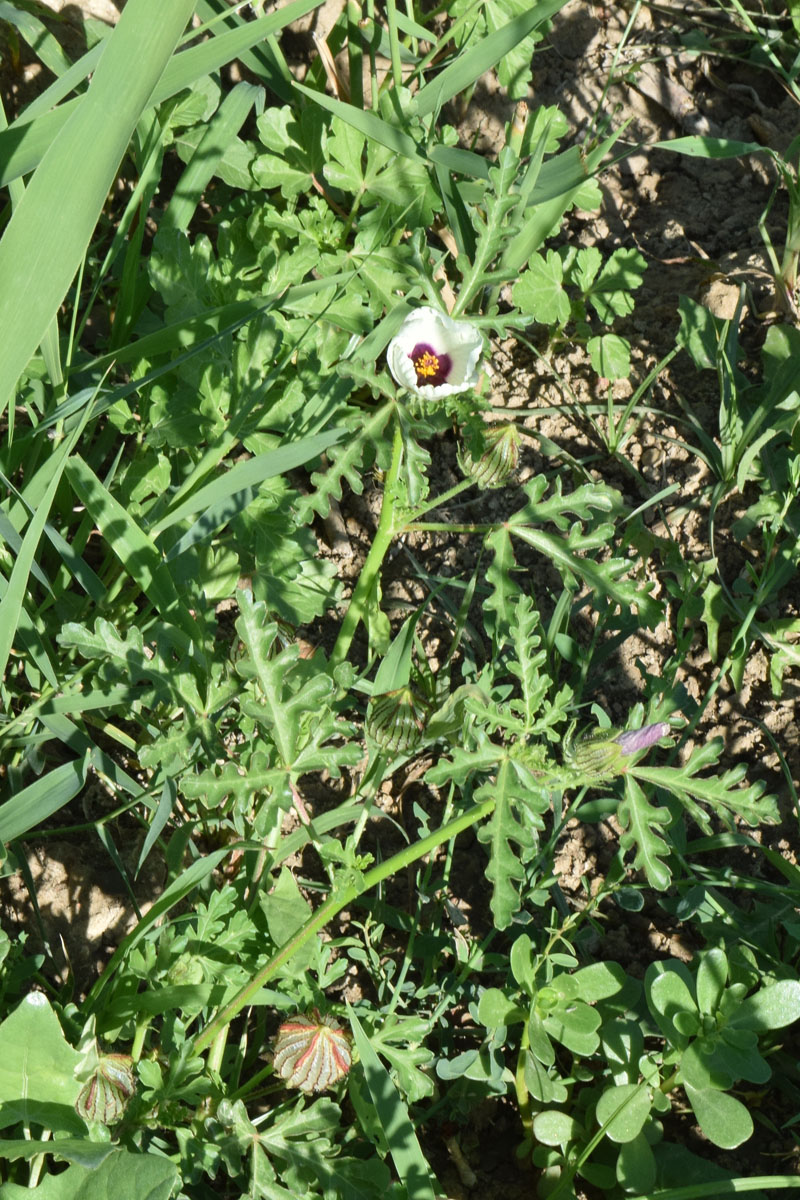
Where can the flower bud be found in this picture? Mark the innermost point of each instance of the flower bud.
(105, 1095)
(634, 740)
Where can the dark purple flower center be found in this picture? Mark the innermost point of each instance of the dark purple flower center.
(430, 367)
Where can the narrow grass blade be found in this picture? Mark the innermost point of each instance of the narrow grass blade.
(33, 805)
(38, 37)
(367, 123)
(219, 132)
(12, 602)
(698, 146)
(264, 59)
(469, 66)
(24, 144)
(392, 1114)
(220, 500)
(182, 886)
(39, 255)
(134, 549)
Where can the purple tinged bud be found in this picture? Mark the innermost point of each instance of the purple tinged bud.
(634, 740)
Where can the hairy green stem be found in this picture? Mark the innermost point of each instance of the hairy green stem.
(332, 906)
(388, 527)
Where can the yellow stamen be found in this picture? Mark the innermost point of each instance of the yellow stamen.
(427, 365)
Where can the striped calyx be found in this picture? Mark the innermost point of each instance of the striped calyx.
(499, 459)
(105, 1095)
(312, 1053)
(396, 720)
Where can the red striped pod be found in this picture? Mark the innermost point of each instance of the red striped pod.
(312, 1053)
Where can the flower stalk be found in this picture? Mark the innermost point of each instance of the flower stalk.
(388, 527)
(333, 905)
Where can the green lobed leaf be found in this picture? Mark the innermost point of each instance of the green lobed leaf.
(611, 291)
(501, 832)
(610, 355)
(641, 823)
(722, 793)
(539, 293)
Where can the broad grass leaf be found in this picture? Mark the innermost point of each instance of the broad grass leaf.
(392, 1114)
(34, 245)
(34, 804)
(24, 144)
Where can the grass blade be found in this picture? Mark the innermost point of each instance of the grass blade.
(218, 134)
(469, 66)
(11, 604)
(37, 247)
(393, 1116)
(134, 549)
(230, 493)
(24, 144)
(33, 805)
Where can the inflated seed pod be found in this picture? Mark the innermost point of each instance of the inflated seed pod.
(499, 459)
(396, 720)
(597, 756)
(312, 1053)
(104, 1097)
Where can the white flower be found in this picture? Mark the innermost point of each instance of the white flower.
(433, 355)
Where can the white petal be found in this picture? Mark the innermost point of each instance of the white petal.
(457, 339)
